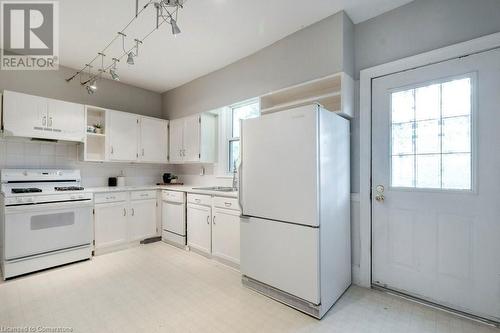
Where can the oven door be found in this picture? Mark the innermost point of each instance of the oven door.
(44, 228)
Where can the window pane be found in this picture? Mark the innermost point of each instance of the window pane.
(234, 154)
(402, 106)
(457, 171)
(243, 112)
(402, 138)
(427, 102)
(456, 135)
(428, 171)
(402, 171)
(457, 98)
(427, 138)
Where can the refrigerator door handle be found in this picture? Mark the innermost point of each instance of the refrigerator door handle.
(240, 171)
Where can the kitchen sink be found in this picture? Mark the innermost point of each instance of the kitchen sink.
(216, 188)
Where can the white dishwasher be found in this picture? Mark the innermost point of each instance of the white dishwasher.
(173, 217)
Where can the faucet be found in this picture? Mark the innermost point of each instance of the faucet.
(235, 177)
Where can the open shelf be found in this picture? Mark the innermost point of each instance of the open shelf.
(94, 149)
(95, 134)
(335, 93)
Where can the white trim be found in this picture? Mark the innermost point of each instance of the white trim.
(366, 76)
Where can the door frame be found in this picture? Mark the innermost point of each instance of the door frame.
(481, 44)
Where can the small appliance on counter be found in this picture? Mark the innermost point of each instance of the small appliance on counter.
(112, 182)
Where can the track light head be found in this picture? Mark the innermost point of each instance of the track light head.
(90, 91)
(114, 74)
(175, 28)
(130, 58)
(93, 84)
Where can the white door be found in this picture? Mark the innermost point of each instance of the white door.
(110, 224)
(154, 140)
(282, 255)
(67, 120)
(279, 170)
(142, 219)
(124, 136)
(435, 179)
(192, 130)
(226, 234)
(199, 220)
(176, 135)
(24, 115)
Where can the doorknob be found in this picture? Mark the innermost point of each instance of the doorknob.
(379, 193)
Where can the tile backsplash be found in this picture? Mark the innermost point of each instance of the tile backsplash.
(26, 154)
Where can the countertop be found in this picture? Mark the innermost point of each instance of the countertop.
(179, 188)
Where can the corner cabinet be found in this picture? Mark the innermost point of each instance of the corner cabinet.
(193, 139)
(42, 118)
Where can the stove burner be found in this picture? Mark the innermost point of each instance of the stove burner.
(69, 188)
(26, 190)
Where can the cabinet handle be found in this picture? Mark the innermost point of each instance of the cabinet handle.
(44, 120)
(197, 200)
(142, 151)
(112, 150)
(124, 212)
(213, 219)
(133, 212)
(50, 121)
(227, 204)
(208, 219)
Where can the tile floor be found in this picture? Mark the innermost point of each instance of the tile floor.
(158, 288)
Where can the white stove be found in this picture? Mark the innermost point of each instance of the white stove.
(46, 218)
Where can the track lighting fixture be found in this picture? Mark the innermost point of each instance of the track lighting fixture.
(166, 12)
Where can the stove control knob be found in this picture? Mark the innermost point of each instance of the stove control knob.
(72, 197)
(80, 196)
(29, 199)
(19, 199)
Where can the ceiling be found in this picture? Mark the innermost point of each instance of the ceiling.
(215, 33)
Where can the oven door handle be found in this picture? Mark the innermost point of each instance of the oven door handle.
(48, 206)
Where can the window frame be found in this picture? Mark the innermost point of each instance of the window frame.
(230, 127)
(473, 138)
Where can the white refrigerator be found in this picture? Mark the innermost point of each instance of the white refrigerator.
(295, 201)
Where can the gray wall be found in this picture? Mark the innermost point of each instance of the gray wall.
(420, 26)
(313, 52)
(111, 94)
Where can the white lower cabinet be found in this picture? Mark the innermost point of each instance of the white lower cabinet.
(143, 221)
(199, 227)
(213, 227)
(121, 218)
(226, 234)
(110, 224)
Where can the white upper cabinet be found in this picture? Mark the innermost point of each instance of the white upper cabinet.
(67, 120)
(193, 139)
(192, 129)
(38, 117)
(153, 140)
(123, 133)
(176, 135)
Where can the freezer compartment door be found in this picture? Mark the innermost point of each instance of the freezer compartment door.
(279, 170)
(282, 255)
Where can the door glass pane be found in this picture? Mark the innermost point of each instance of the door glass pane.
(402, 138)
(456, 135)
(457, 97)
(403, 106)
(428, 171)
(431, 136)
(234, 154)
(427, 102)
(457, 171)
(403, 171)
(427, 137)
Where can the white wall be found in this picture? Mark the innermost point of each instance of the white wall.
(22, 153)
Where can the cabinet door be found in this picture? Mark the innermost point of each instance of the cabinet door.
(192, 139)
(123, 135)
(176, 140)
(110, 224)
(199, 227)
(24, 115)
(142, 219)
(226, 235)
(154, 140)
(67, 120)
